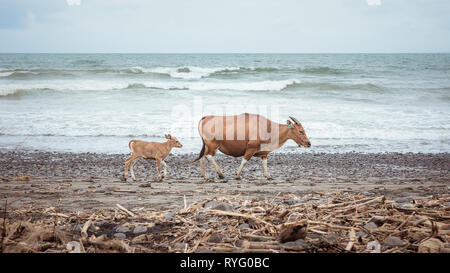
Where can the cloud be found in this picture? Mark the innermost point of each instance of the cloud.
(73, 2)
(373, 2)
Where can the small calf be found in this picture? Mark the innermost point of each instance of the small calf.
(150, 150)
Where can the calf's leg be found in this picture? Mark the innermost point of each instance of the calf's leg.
(127, 165)
(158, 163)
(165, 168)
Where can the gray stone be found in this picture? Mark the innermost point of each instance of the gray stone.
(370, 225)
(243, 226)
(393, 241)
(139, 229)
(215, 238)
(205, 251)
(298, 243)
(169, 216)
(26, 199)
(218, 206)
(180, 245)
(402, 200)
(199, 217)
(406, 205)
(62, 227)
(289, 202)
(122, 229)
(331, 238)
(120, 235)
(205, 227)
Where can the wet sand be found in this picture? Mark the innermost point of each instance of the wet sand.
(73, 182)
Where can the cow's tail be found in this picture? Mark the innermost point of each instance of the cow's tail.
(202, 152)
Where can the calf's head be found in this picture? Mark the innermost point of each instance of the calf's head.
(173, 141)
(297, 133)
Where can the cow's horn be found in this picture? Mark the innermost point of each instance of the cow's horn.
(295, 120)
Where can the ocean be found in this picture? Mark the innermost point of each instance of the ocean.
(366, 103)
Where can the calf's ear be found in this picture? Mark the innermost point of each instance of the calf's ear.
(168, 136)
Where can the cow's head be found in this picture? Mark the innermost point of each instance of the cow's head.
(297, 133)
(174, 141)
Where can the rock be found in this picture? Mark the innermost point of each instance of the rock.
(139, 229)
(205, 251)
(26, 199)
(331, 238)
(73, 247)
(431, 245)
(373, 247)
(180, 245)
(62, 227)
(293, 231)
(122, 229)
(215, 238)
(218, 206)
(370, 225)
(205, 227)
(406, 205)
(199, 217)
(169, 216)
(243, 226)
(393, 241)
(289, 202)
(120, 235)
(300, 243)
(403, 200)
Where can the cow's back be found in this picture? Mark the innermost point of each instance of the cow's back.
(234, 134)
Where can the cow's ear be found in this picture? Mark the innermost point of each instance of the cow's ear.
(168, 136)
(289, 124)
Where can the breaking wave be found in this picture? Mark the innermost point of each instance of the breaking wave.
(95, 85)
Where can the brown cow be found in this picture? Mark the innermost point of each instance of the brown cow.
(245, 135)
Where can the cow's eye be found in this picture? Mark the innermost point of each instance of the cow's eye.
(301, 132)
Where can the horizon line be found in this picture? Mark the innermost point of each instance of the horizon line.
(430, 52)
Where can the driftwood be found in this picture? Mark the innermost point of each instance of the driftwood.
(316, 222)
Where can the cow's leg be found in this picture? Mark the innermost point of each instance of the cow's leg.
(203, 167)
(264, 163)
(210, 152)
(248, 154)
(213, 161)
(165, 168)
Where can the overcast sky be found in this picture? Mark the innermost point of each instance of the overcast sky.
(225, 26)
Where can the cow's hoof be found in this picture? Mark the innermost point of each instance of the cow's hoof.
(238, 178)
(123, 178)
(269, 178)
(221, 176)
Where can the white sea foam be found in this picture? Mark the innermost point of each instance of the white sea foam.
(185, 72)
(6, 73)
(104, 85)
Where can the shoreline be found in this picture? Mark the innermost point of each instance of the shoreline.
(84, 181)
